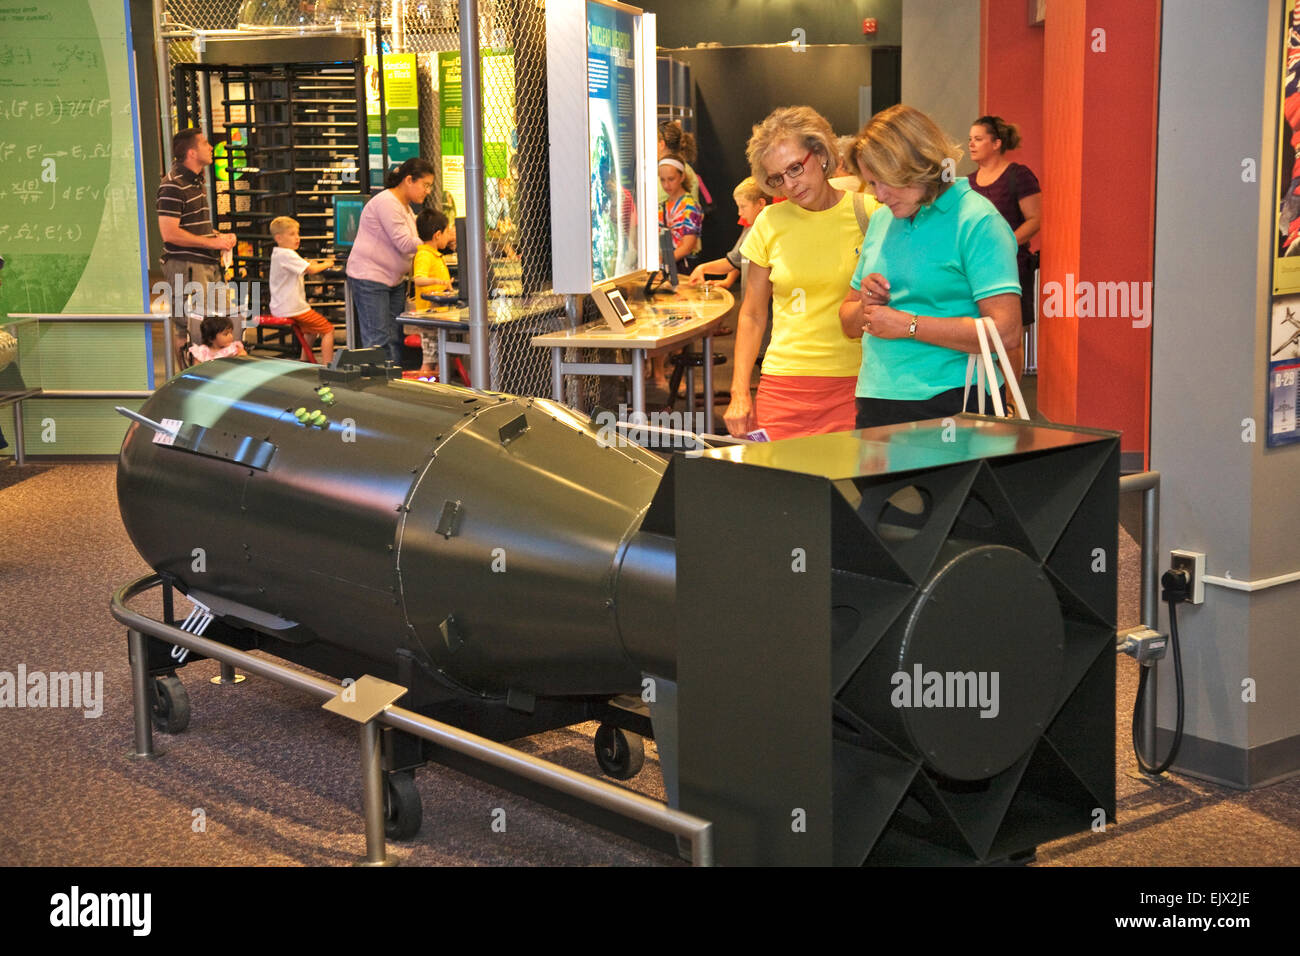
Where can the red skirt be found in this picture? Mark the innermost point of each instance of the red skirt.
(789, 406)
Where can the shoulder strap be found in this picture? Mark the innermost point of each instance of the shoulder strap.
(860, 210)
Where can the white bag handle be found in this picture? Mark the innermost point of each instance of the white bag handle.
(978, 371)
(985, 363)
(987, 360)
(1022, 410)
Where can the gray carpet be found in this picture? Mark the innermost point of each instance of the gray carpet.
(276, 779)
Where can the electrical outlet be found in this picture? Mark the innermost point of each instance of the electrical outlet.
(1193, 562)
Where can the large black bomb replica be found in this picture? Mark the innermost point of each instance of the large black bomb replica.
(887, 646)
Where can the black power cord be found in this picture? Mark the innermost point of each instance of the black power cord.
(1175, 588)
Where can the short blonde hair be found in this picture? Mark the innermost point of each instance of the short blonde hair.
(902, 146)
(803, 124)
(749, 191)
(282, 224)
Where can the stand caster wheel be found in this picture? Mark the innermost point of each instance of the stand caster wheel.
(621, 755)
(170, 707)
(402, 807)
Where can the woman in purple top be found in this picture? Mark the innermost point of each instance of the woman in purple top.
(1013, 189)
(381, 255)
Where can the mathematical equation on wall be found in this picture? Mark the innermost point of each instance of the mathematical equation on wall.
(68, 194)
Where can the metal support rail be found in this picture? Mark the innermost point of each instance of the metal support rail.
(608, 797)
(1148, 482)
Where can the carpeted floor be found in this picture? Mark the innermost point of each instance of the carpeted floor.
(263, 777)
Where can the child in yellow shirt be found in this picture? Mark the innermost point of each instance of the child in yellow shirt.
(429, 274)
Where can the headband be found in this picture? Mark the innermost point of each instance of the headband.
(672, 162)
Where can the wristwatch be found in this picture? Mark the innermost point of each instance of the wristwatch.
(911, 329)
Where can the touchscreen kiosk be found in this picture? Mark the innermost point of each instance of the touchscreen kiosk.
(613, 309)
(347, 216)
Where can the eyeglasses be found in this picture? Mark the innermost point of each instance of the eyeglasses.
(793, 171)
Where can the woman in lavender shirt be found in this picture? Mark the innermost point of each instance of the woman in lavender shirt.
(381, 255)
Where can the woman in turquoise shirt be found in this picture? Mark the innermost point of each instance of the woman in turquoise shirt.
(938, 256)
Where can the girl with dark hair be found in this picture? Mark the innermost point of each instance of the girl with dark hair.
(1013, 189)
(381, 255)
(674, 141)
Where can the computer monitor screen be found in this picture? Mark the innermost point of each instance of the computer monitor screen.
(347, 216)
(667, 261)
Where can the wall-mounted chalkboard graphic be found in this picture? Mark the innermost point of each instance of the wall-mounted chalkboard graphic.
(69, 213)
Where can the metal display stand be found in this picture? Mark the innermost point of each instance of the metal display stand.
(370, 702)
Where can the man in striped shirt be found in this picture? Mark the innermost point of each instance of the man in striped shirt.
(191, 247)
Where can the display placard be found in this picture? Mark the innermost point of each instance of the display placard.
(498, 84)
(70, 215)
(611, 134)
(600, 67)
(402, 112)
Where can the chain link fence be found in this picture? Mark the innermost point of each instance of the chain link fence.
(515, 137)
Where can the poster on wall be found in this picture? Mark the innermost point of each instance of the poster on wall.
(498, 82)
(402, 98)
(70, 217)
(1286, 254)
(1283, 365)
(612, 134)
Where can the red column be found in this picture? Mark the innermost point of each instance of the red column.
(1099, 87)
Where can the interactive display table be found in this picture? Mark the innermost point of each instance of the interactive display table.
(661, 322)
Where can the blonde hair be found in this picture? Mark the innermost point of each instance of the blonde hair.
(282, 224)
(902, 146)
(749, 191)
(688, 178)
(844, 152)
(804, 125)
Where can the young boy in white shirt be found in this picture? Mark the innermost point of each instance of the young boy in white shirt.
(288, 291)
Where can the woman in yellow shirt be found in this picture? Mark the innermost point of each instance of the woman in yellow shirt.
(801, 254)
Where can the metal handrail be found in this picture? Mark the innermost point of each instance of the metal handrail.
(169, 360)
(169, 363)
(615, 799)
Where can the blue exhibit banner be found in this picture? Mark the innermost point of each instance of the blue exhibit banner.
(612, 130)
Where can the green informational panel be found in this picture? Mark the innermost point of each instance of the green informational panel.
(402, 98)
(498, 78)
(70, 211)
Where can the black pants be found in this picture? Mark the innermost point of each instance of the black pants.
(873, 412)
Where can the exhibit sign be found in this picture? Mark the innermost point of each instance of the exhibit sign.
(611, 133)
(70, 216)
(402, 115)
(498, 84)
(601, 77)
